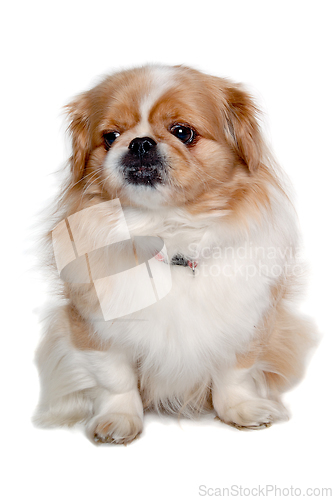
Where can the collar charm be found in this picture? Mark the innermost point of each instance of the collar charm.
(178, 260)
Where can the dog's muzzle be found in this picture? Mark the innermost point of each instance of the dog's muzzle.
(143, 164)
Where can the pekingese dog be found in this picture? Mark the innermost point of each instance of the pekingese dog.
(176, 249)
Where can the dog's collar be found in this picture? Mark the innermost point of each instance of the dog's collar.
(178, 260)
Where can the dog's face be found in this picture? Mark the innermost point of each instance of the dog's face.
(165, 136)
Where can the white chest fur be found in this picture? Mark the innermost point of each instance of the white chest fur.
(206, 319)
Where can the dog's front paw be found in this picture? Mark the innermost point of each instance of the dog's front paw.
(254, 414)
(116, 428)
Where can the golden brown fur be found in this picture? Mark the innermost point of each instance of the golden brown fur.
(225, 176)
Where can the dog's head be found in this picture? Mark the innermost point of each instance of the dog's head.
(166, 136)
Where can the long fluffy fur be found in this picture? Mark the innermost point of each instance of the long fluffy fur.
(231, 342)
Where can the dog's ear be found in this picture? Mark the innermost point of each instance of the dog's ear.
(79, 127)
(241, 127)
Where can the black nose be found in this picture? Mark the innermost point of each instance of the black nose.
(141, 145)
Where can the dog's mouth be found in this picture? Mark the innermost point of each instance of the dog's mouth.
(148, 175)
(147, 170)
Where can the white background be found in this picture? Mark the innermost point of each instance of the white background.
(52, 50)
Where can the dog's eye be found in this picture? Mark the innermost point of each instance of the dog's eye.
(183, 133)
(109, 138)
